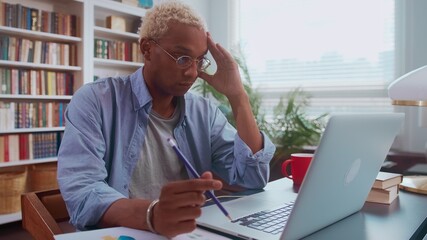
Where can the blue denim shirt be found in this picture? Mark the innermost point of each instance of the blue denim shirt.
(106, 122)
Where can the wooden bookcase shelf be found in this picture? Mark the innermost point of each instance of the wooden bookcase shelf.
(103, 32)
(91, 25)
(116, 63)
(17, 64)
(38, 35)
(28, 162)
(18, 97)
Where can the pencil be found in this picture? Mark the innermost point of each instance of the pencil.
(196, 175)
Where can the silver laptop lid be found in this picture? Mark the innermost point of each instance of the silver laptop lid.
(350, 154)
(352, 150)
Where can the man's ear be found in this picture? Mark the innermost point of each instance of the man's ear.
(145, 46)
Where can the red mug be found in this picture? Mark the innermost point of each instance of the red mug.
(299, 165)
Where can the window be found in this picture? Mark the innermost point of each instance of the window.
(341, 52)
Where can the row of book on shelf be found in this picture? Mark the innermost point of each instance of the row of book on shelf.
(24, 17)
(18, 147)
(117, 50)
(15, 115)
(385, 188)
(36, 51)
(35, 82)
(138, 3)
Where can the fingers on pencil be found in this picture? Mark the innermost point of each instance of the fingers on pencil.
(188, 213)
(195, 199)
(187, 193)
(206, 175)
(194, 185)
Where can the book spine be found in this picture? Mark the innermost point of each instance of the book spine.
(61, 114)
(6, 148)
(2, 152)
(2, 14)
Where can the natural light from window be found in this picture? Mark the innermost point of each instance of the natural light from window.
(342, 52)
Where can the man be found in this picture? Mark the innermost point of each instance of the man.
(114, 160)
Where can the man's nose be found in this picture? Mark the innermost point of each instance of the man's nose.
(192, 70)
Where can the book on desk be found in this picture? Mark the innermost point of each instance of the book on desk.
(385, 188)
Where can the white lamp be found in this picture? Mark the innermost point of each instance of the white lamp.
(409, 95)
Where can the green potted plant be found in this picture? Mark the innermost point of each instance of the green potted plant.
(292, 129)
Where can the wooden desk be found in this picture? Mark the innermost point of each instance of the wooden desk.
(405, 218)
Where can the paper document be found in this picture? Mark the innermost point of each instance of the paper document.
(123, 233)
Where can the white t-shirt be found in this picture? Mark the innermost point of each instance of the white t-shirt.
(158, 163)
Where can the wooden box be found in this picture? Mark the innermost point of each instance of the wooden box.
(116, 23)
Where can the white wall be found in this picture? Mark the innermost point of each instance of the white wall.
(411, 36)
(219, 21)
(216, 14)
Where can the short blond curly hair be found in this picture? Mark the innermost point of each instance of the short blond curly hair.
(155, 22)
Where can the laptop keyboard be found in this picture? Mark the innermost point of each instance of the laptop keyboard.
(272, 221)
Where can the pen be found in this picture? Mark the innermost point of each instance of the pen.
(196, 175)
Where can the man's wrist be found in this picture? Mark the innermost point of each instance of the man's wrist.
(149, 215)
(243, 96)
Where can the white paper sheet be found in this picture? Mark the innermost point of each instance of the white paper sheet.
(123, 233)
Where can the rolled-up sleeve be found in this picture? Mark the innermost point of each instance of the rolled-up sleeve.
(232, 159)
(253, 169)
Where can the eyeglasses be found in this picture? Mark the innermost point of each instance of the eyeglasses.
(184, 62)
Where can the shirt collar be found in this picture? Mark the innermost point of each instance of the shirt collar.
(141, 95)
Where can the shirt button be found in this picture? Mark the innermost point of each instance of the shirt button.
(125, 186)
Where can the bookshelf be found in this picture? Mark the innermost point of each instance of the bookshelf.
(98, 11)
(74, 58)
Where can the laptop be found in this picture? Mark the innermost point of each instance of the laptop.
(338, 180)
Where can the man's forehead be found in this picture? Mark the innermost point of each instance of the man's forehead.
(186, 38)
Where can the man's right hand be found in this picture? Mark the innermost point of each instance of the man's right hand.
(179, 204)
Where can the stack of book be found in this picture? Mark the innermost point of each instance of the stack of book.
(386, 188)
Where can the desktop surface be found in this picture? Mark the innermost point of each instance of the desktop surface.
(404, 218)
